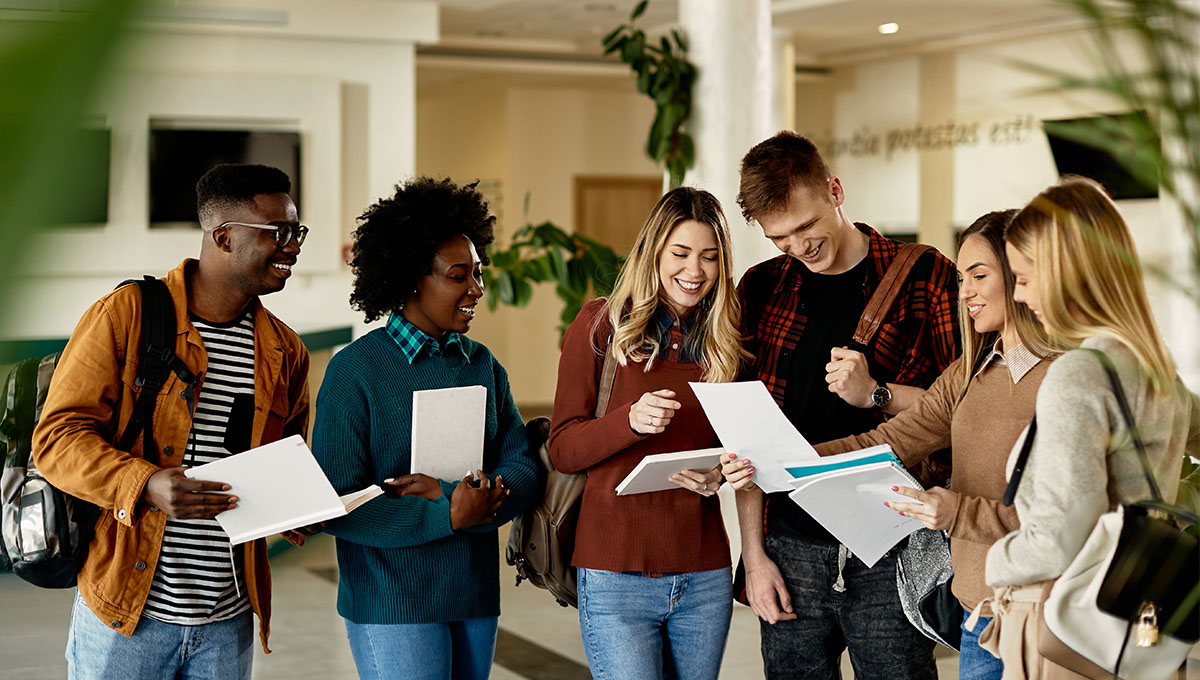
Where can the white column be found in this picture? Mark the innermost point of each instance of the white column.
(732, 107)
(783, 94)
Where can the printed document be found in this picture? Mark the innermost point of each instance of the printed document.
(749, 423)
(846, 494)
(654, 472)
(447, 431)
(279, 487)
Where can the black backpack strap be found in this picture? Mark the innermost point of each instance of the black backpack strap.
(156, 361)
(1010, 493)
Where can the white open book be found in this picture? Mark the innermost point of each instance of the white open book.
(653, 473)
(279, 487)
(447, 431)
(846, 494)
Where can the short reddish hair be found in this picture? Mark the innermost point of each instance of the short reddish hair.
(773, 168)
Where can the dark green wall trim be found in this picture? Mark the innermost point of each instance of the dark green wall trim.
(12, 351)
(326, 339)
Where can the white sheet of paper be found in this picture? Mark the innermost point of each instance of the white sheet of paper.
(749, 423)
(447, 431)
(652, 473)
(279, 487)
(848, 502)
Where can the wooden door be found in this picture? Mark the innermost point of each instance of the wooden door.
(612, 209)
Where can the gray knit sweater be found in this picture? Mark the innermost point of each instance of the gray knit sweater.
(1083, 462)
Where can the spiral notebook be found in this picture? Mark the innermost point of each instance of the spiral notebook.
(846, 494)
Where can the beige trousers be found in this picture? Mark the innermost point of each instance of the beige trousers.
(1012, 636)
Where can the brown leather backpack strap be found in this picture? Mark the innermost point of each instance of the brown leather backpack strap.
(607, 375)
(889, 289)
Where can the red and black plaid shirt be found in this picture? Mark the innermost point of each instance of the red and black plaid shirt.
(915, 343)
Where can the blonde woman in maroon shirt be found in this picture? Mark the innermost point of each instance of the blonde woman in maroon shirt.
(654, 568)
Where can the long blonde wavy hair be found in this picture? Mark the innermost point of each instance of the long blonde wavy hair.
(990, 228)
(637, 295)
(1089, 277)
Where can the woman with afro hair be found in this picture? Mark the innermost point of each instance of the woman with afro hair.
(419, 567)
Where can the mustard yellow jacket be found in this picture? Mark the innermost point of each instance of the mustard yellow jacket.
(88, 405)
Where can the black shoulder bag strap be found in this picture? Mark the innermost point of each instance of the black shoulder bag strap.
(156, 360)
(1010, 493)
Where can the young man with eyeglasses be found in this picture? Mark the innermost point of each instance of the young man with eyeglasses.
(163, 593)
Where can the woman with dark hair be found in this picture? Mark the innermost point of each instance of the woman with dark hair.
(419, 567)
(978, 406)
(654, 577)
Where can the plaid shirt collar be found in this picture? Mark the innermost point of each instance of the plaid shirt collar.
(413, 340)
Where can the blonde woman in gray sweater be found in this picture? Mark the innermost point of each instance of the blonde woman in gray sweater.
(1077, 269)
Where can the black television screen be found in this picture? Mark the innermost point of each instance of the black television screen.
(84, 178)
(179, 157)
(1072, 156)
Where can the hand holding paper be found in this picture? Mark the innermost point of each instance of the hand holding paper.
(749, 423)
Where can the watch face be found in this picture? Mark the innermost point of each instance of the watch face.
(882, 396)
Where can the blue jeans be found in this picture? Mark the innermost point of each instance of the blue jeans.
(865, 618)
(975, 662)
(213, 651)
(646, 628)
(458, 650)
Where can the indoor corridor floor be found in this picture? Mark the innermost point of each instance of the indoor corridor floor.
(538, 639)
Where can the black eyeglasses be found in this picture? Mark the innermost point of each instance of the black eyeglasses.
(284, 233)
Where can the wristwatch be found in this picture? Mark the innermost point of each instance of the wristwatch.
(881, 397)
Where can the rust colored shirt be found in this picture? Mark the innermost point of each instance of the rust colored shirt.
(657, 532)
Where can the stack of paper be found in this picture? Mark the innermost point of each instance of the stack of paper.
(846, 494)
(279, 487)
(447, 431)
(653, 472)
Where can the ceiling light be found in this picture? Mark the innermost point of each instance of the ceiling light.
(889, 28)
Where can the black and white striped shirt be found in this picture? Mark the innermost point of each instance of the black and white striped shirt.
(194, 582)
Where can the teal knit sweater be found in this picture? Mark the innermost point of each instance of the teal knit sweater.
(399, 560)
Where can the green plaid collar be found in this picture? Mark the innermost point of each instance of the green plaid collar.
(412, 339)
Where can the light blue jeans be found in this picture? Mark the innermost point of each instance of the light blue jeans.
(647, 628)
(458, 650)
(975, 662)
(157, 650)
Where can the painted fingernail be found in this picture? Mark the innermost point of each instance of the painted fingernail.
(745, 461)
(887, 504)
(750, 469)
(732, 456)
(895, 488)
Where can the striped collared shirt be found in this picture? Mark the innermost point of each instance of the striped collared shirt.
(413, 340)
(1020, 361)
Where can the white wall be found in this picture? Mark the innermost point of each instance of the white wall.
(341, 74)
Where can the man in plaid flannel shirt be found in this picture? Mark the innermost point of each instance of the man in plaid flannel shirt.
(800, 309)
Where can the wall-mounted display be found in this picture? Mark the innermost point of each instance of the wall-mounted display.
(1074, 156)
(178, 157)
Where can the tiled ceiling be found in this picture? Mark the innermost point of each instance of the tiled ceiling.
(824, 30)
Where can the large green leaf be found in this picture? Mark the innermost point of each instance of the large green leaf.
(638, 10)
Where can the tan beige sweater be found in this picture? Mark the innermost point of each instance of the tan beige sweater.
(981, 431)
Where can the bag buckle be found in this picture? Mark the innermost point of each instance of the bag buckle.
(1147, 625)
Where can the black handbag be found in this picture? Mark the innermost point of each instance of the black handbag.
(1152, 582)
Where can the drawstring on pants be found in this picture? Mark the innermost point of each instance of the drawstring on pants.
(839, 586)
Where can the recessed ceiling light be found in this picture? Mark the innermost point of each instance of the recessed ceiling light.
(889, 28)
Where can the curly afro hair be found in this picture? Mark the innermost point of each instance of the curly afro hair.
(398, 236)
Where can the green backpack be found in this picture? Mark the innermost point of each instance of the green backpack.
(46, 531)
